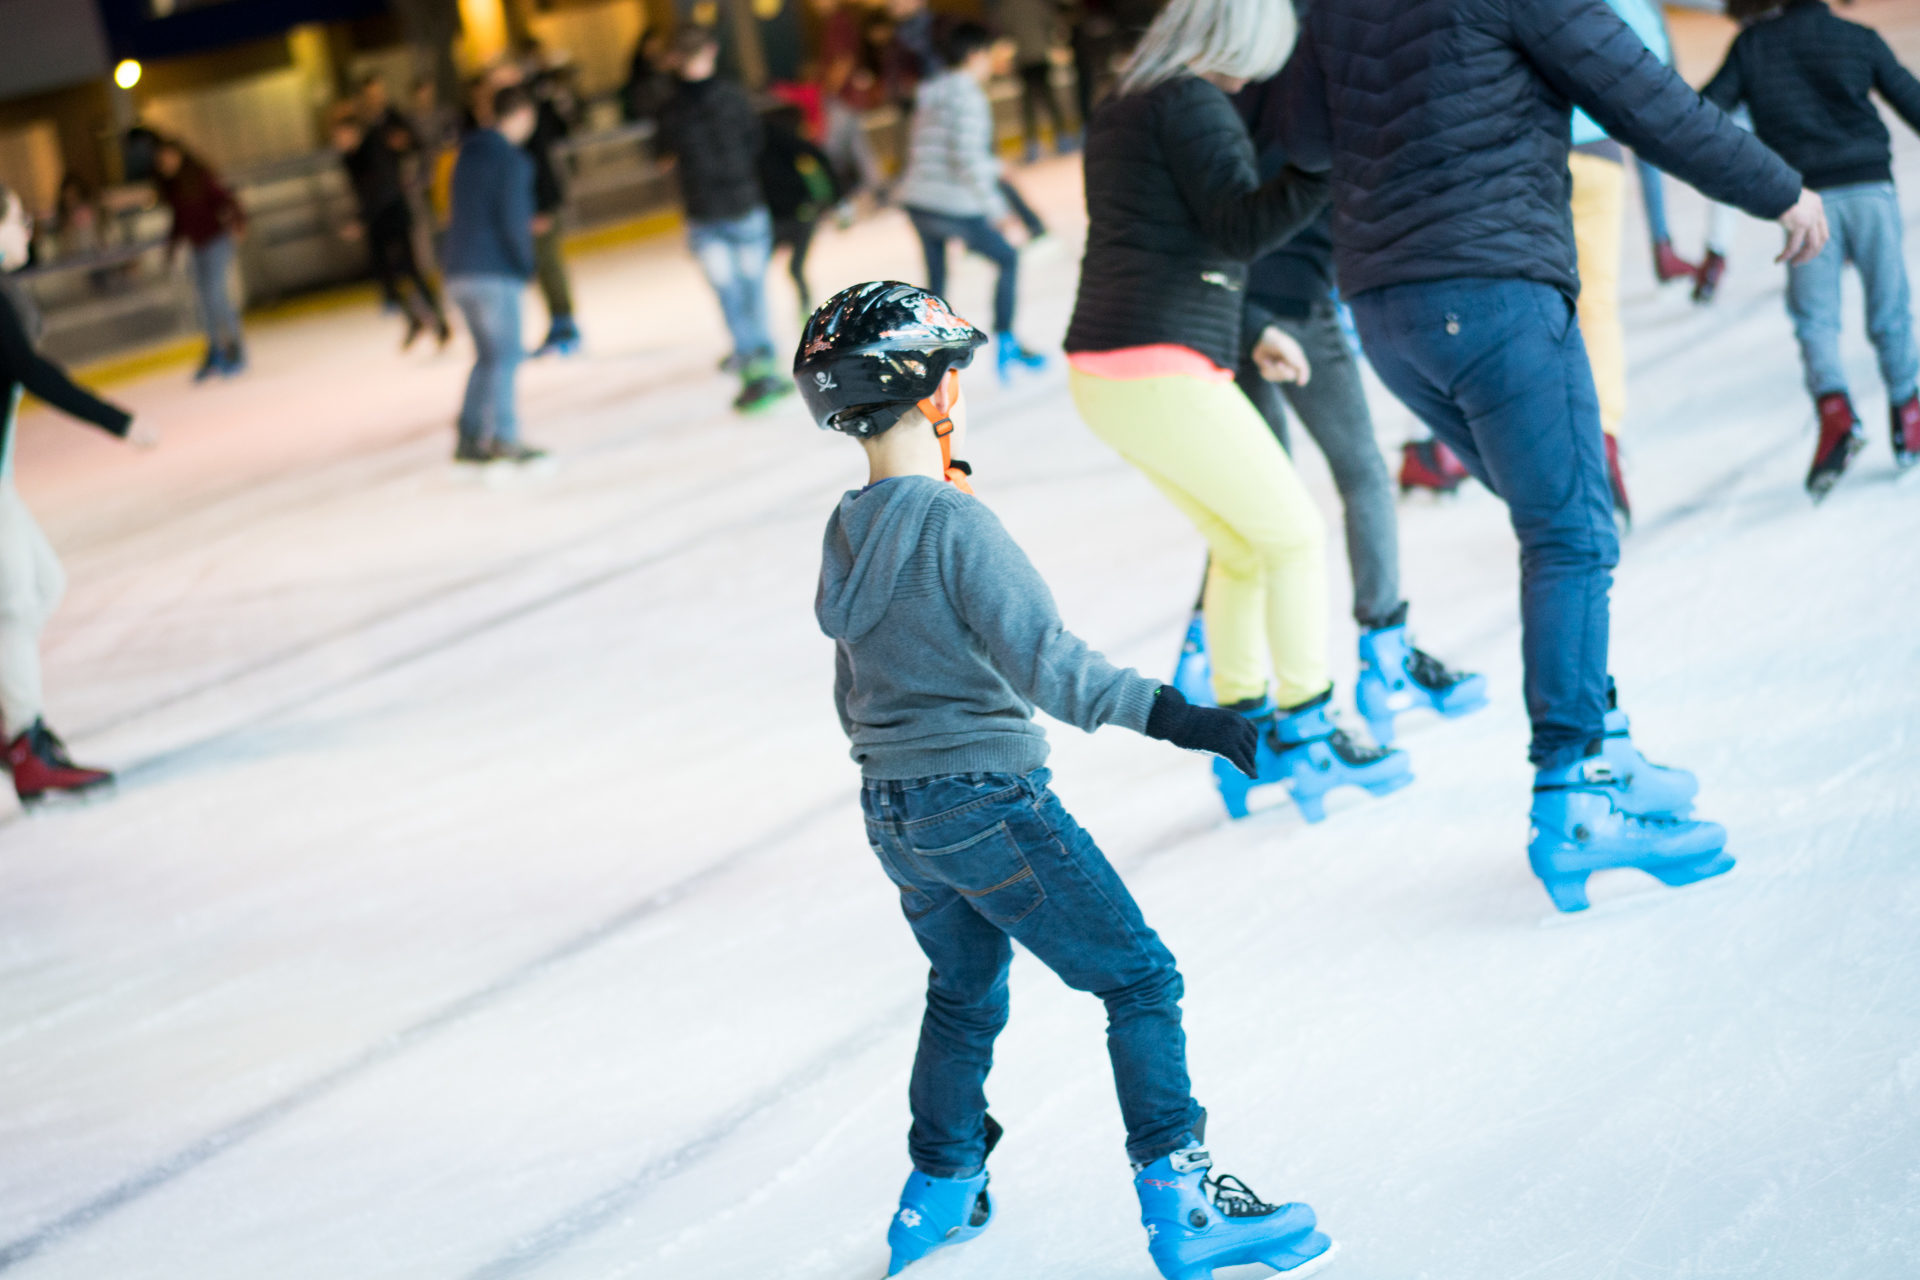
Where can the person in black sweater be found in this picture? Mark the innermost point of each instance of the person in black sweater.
(373, 164)
(1176, 211)
(31, 581)
(797, 179)
(712, 134)
(555, 106)
(1809, 79)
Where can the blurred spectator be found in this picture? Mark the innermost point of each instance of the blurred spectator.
(649, 78)
(489, 259)
(556, 109)
(797, 180)
(209, 221)
(847, 91)
(80, 224)
(386, 224)
(911, 53)
(711, 132)
(1032, 27)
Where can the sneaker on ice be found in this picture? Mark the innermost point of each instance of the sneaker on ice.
(1196, 1222)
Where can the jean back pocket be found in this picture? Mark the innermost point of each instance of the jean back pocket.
(988, 869)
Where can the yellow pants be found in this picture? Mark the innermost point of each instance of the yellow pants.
(1599, 204)
(1205, 446)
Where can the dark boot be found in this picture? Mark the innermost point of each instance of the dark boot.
(1841, 437)
(41, 767)
(1906, 432)
(1707, 283)
(1669, 265)
(1430, 465)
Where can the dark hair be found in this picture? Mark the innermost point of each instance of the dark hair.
(961, 41)
(1752, 10)
(692, 40)
(508, 99)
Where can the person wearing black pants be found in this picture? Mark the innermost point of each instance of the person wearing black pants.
(372, 162)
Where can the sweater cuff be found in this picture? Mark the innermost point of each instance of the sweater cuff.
(1136, 703)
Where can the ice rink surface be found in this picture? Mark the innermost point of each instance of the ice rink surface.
(485, 895)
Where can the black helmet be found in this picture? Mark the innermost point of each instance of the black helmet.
(876, 349)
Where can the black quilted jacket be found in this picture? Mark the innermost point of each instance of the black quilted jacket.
(1176, 211)
(711, 126)
(1809, 79)
(1446, 124)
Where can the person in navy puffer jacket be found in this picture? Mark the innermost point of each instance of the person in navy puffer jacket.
(1446, 127)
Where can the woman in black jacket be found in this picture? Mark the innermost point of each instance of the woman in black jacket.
(1176, 212)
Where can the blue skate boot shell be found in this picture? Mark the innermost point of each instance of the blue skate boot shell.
(1580, 827)
(1396, 677)
(935, 1212)
(1304, 748)
(1195, 1222)
(1645, 787)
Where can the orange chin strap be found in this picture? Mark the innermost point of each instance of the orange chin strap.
(939, 410)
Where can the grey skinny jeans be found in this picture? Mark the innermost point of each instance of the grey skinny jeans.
(1333, 405)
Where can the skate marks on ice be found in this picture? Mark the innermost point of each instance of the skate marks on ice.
(199, 1152)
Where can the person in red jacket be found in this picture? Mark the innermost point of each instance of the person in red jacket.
(208, 219)
(30, 578)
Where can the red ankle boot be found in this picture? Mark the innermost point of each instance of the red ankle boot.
(1840, 438)
(1707, 283)
(1430, 465)
(1622, 509)
(1906, 432)
(41, 767)
(1669, 265)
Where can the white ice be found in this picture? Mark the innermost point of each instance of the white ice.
(486, 894)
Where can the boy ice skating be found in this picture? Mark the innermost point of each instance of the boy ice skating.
(945, 641)
(1808, 78)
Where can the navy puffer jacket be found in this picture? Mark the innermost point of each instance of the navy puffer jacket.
(1446, 125)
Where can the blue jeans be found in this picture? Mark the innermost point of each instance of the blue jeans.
(981, 859)
(212, 264)
(734, 256)
(491, 305)
(1866, 232)
(1497, 368)
(979, 235)
(1653, 195)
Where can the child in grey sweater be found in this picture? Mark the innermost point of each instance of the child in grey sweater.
(945, 641)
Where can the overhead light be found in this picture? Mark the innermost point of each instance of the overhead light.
(127, 74)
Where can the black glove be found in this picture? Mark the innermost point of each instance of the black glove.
(1227, 734)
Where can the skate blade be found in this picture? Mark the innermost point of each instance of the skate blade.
(1652, 892)
(54, 801)
(1313, 1266)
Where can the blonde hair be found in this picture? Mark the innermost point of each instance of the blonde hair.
(1241, 39)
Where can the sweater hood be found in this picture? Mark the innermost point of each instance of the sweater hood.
(869, 538)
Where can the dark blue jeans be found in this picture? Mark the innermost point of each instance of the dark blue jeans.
(1498, 370)
(981, 859)
(979, 235)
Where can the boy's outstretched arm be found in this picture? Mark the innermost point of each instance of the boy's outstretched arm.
(1006, 603)
(1896, 84)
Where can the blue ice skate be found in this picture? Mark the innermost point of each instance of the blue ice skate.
(1654, 790)
(935, 1212)
(1306, 749)
(563, 338)
(1009, 355)
(1580, 826)
(1397, 676)
(1196, 1222)
(1193, 674)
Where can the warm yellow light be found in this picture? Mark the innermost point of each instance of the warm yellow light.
(127, 74)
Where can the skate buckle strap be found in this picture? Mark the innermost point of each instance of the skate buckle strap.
(1189, 1159)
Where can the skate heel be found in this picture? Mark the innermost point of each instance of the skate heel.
(1569, 893)
(1681, 873)
(1303, 1255)
(1234, 788)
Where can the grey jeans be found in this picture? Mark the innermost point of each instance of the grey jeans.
(1333, 405)
(212, 264)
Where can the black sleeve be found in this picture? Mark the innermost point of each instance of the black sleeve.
(1211, 159)
(1593, 58)
(19, 362)
(1303, 123)
(1895, 83)
(1726, 90)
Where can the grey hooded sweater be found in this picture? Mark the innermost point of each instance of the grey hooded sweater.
(946, 639)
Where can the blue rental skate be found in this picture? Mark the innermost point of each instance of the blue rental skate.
(935, 1212)
(1196, 1222)
(1306, 749)
(1009, 355)
(1654, 790)
(1396, 676)
(1580, 826)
